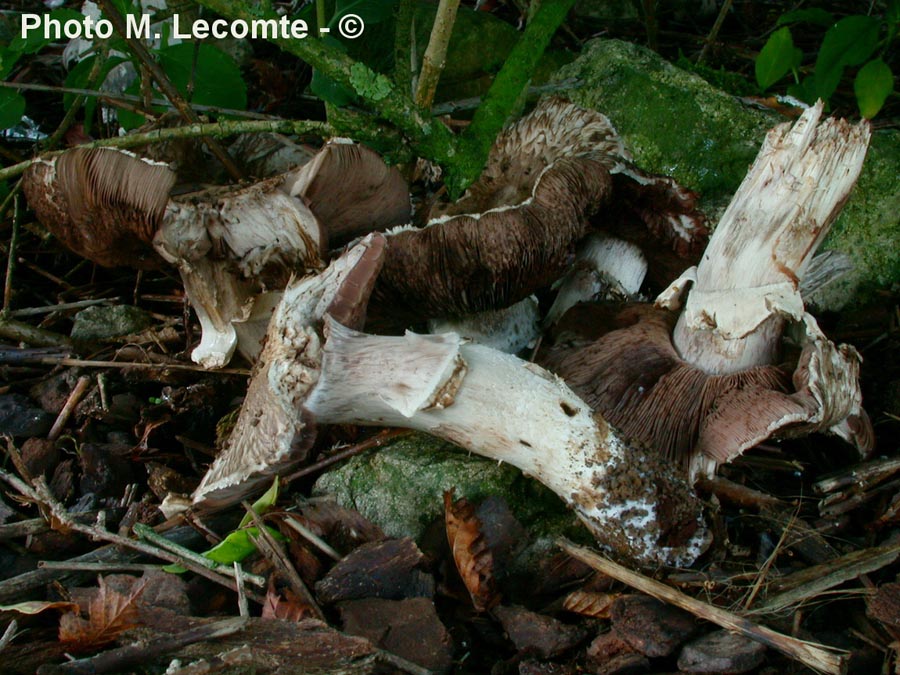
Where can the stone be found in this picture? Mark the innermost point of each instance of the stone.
(20, 418)
(538, 634)
(651, 627)
(107, 322)
(400, 488)
(676, 123)
(721, 652)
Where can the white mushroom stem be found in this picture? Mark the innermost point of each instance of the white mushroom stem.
(746, 286)
(273, 430)
(510, 410)
(603, 265)
(510, 329)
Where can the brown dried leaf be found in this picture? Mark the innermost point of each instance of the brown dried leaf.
(285, 604)
(470, 551)
(109, 614)
(590, 603)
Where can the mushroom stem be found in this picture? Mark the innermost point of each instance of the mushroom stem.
(501, 407)
(746, 286)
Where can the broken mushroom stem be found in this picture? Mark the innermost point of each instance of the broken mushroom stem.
(513, 411)
(746, 287)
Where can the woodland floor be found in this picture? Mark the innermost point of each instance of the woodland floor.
(147, 424)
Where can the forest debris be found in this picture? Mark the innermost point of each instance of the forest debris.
(409, 628)
(653, 628)
(884, 605)
(590, 603)
(819, 657)
(721, 652)
(471, 553)
(387, 569)
(611, 655)
(109, 614)
(538, 634)
(812, 581)
(20, 418)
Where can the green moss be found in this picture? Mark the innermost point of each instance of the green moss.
(678, 124)
(401, 486)
(674, 122)
(868, 229)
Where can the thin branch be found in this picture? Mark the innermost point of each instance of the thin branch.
(436, 52)
(818, 657)
(216, 129)
(11, 258)
(74, 398)
(162, 80)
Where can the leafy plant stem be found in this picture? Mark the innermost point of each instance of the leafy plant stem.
(69, 118)
(432, 139)
(321, 19)
(403, 72)
(436, 52)
(210, 129)
(143, 55)
(504, 93)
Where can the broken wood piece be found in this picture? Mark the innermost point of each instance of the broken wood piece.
(812, 581)
(819, 657)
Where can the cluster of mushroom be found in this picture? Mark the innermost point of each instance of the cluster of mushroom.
(554, 182)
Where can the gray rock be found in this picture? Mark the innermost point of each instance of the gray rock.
(721, 652)
(20, 418)
(105, 322)
(676, 123)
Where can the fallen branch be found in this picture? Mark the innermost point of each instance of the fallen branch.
(819, 657)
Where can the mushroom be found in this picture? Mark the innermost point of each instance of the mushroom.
(548, 179)
(705, 385)
(229, 243)
(490, 403)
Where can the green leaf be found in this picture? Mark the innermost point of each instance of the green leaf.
(874, 83)
(215, 77)
(35, 40)
(776, 59)
(369, 84)
(233, 548)
(79, 78)
(12, 107)
(804, 90)
(848, 43)
(815, 15)
(263, 504)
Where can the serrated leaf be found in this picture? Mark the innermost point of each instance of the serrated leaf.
(814, 15)
(776, 59)
(848, 43)
(874, 83)
(12, 107)
(470, 551)
(109, 614)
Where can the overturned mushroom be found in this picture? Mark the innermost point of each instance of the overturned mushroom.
(549, 178)
(493, 404)
(229, 244)
(704, 386)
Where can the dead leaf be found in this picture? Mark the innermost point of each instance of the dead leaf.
(471, 553)
(284, 604)
(38, 606)
(589, 603)
(109, 614)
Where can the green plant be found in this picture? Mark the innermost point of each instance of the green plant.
(856, 40)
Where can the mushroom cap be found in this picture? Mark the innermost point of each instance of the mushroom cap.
(104, 204)
(352, 191)
(634, 377)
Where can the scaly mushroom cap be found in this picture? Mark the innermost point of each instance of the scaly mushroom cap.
(352, 191)
(547, 180)
(102, 203)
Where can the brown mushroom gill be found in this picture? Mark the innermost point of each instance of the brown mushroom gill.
(549, 179)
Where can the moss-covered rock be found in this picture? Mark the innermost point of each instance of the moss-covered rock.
(676, 123)
(107, 322)
(401, 486)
